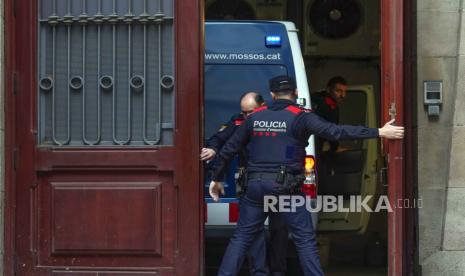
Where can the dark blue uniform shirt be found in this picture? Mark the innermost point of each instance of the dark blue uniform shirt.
(217, 140)
(304, 125)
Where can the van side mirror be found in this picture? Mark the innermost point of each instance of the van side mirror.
(302, 102)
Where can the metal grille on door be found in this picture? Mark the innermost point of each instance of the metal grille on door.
(106, 72)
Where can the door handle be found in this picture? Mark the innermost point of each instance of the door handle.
(392, 114)
(393, 111)
(383, 176)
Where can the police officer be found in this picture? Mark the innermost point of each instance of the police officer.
(248, 102)
(275, 138)
(326, 105)
(256, 255)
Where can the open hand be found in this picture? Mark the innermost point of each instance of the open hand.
(207, 154)
(215, 189)
(390, 131)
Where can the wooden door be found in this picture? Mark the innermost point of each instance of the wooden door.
(104, 137)
(392, 101)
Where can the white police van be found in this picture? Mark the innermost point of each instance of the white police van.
(241, 56)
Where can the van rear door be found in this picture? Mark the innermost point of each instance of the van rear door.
(352, 171)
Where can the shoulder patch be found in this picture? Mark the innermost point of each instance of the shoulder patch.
(261, 108)
(237, 116)
(294, 109)
(238, 122)
(223, 127)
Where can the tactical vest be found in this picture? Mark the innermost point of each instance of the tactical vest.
(271, 142)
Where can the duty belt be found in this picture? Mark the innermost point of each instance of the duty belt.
(262, 175)
(289, 183)
(266, 175)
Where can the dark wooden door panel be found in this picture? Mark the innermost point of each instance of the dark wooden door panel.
(95, 272)
(91, 209)
(110, 218)
(159, 159)
(160, 272)
(105, 219)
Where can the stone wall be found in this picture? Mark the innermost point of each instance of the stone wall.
(441, 141)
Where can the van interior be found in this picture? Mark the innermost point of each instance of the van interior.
(338, 38)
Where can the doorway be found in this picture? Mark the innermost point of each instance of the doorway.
(366, 48)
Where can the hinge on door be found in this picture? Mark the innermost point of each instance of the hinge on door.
(383, 176)
(15, 159)
(15, 264)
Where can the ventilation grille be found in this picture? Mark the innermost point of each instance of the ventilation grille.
(106, 72)
(335, 19)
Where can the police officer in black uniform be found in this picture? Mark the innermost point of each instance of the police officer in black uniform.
(325, 104)
(275, 138)
(256, 255)
(248, 102)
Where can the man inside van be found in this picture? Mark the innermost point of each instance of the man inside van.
(326, 105)
(249, 101)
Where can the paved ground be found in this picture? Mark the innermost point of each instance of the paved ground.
(350, 266)
(355, 271)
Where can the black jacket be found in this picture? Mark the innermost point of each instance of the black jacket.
(306, 124)
(217, 141)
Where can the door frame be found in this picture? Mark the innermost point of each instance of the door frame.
(397, 78)
(189, 41)
(392, 80)
(188, 32)
(411, 260)
(9, 132)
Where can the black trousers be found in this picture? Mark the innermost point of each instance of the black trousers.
(250, 224)
(277, 247)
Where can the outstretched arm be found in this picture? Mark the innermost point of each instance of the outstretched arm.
(333, 132)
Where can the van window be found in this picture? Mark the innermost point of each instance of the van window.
(225, 83)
